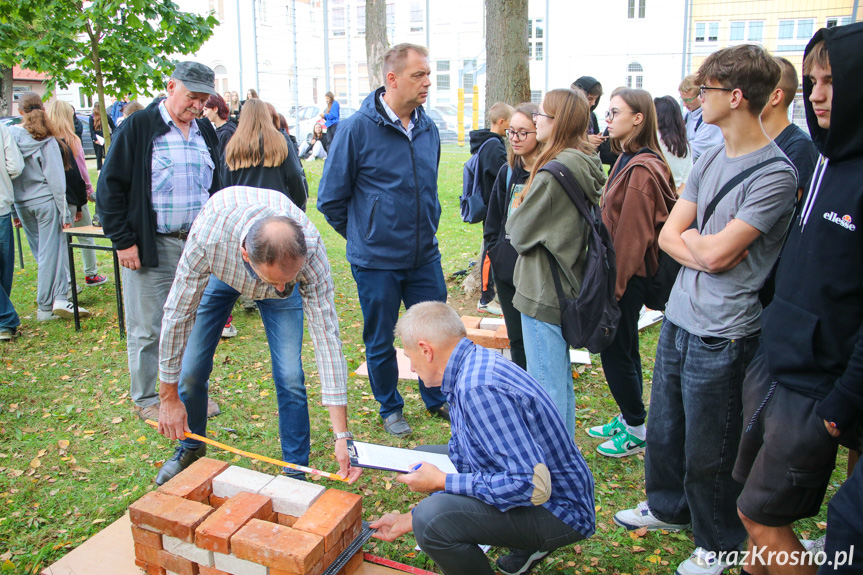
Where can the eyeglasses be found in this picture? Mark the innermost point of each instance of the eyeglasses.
(518, 136)
(688, 100)
(610, 115)
(703, 89)
(535, 114)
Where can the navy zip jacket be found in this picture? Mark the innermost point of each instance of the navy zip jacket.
(124, 192)
(379, 189)
(813, 330)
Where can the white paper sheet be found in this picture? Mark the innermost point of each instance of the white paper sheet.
(397, 459)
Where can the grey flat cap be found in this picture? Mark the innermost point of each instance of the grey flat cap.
(196, 77)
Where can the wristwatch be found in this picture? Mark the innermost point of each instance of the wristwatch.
(343, 435)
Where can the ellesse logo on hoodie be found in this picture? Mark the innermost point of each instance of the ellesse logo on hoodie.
(844, 221)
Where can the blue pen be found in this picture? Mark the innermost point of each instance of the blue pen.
(415, 467)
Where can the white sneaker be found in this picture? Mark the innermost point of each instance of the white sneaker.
(64, 308)
(702, 562)
(490, 307)
(45, 315)
(229, 330)
(632, 519)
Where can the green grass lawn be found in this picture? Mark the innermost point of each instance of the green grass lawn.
(73, 456)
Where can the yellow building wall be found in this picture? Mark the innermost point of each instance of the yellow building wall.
(770, 12)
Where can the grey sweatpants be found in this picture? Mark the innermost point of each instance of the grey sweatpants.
(145, 292)
(43, 223)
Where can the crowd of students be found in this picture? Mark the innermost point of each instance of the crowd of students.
(758, 366)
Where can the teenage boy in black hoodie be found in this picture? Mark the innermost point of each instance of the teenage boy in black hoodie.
(804, 390)
(491, 157)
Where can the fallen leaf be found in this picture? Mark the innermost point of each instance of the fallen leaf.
(654, 558)
(63, 444)
(117, 420)
(821, 525)
(35, 464)
(642, 532)
(638, 549)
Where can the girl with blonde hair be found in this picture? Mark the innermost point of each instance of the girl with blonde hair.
(546, 221)
(79, 189)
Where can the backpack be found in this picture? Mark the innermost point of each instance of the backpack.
(591, 319)
(473, 208)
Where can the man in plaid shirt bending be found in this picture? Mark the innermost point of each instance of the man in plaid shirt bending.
(256, 243)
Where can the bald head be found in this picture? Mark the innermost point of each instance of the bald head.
(431, 321)
(276, 241)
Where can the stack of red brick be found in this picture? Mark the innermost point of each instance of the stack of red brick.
(218, 519)
(491, 339)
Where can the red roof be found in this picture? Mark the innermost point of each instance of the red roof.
(19, 73)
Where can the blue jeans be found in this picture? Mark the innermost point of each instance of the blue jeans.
(283, 323)
(548, 363)
(381, 294)
(696, 418)
(8, 317)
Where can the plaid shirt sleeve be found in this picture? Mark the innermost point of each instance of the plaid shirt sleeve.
(191, 278)
(319, 307)
(496, 423)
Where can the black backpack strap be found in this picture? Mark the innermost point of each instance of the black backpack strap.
(568, 182)
(733, 183)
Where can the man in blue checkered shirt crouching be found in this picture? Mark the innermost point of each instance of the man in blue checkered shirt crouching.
(521, 483)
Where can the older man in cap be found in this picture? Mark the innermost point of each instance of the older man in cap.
(159, 173)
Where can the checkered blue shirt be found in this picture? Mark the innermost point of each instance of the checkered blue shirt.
(182, 173)
(503, 425)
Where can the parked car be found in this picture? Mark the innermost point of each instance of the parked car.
(437, 119)
(86, 140)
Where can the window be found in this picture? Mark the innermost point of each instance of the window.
(630, 11)
(262, 11)
(642, 6)
(391, 21)
(630, 8)
(340, 81)
(634, 75)
(743, 31)
(337, 18)
(443, 65)
(536, 96)
(467, 84)
(535, 32)
(361, 20)
(85, 100)
(417, 17)
(442, 82)
(363, 69)
(838, 21)
(217, 7)
(794, 34)
(706, 32)
(221, 74)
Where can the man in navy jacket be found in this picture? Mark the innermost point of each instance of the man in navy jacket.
(379, 191)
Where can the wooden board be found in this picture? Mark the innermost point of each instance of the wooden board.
(111, 552)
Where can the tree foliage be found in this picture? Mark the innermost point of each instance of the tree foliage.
(110, 47)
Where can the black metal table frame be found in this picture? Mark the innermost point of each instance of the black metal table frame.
(118, 288)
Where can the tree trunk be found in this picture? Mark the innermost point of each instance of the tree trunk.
(100, 88)
(507, 77)
(5, 91)
(376, 41)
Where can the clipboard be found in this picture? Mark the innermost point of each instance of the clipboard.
(385, 458)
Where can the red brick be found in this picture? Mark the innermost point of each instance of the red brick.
(316, 570)
(353, 531)
(286, 520)
(204, 570)
(150, 569)
(147, 538)
(196, 481)
(353, 564)
(216, 531)
(278, 546)
(330, 515)
(501, 333)
(169, 515)
(471, 322)
(333, 553)
(216, 501)
(165, 560)
(486, 338)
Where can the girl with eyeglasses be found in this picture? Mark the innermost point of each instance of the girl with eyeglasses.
(636, 202)
(506, 191)
(545, 220)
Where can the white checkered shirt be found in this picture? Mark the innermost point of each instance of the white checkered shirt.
(213, 247)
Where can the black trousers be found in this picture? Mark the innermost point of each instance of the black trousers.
(621, 360)
(330, 134)
(100, 152)
(512, 319)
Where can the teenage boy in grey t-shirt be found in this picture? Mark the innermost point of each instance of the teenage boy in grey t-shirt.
(712, 319)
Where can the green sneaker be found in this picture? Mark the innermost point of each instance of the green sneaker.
(621, 445)
(608, 430)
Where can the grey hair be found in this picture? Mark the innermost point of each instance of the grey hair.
(432, 321)
(395, 58)
(275, 240)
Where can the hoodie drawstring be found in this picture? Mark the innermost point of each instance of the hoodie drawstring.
(814, 188)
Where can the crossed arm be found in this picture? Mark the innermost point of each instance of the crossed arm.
(711, 253)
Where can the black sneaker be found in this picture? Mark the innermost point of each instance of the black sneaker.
(441, 411)
(519, 561)
(183, 458)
